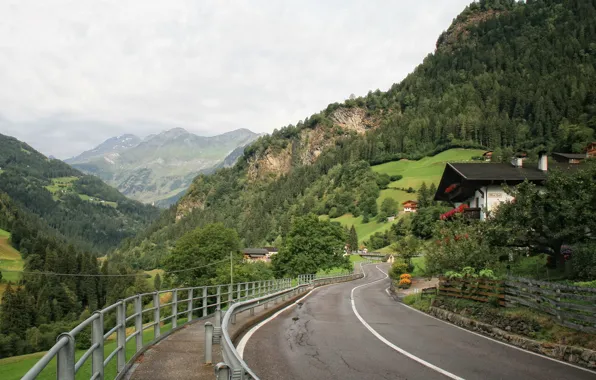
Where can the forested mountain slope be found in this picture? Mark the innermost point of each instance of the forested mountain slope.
(49, 195)
(504, 75)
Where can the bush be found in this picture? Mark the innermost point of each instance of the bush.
(583, 261)
(397, 269)
(405, 276)
(405, 283)
(396, 177)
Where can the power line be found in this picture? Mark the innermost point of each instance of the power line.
(107, 275)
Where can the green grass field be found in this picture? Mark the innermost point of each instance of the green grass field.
(15, 367)
(428, 169)
(364, 230)
(153, 273)
(10, 259)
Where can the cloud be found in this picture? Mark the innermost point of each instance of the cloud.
(74, 73)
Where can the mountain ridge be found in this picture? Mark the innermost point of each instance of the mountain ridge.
(158, 168)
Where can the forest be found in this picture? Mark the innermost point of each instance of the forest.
(77, 206)
(505, 75)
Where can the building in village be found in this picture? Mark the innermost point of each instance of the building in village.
(255, 254)
(591, 150)
(475, 189)
(259, 254)
(410, 206)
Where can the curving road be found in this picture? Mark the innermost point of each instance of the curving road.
(329, 336)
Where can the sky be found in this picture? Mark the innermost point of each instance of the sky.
(76, 72)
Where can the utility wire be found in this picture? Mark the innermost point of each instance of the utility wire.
(107, 275)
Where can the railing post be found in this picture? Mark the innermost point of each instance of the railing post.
(217, 328)
(156, 316)
(246, 290)
(65, 368)
(254, 289)
(222, 371)
(97, 338)
(204, 301)
(139, 323)
(219, 296)
(174, 308)
(239, 291)
(189, 306)
(230, 295)
(121, 335)
(208, 342)
(259, 286)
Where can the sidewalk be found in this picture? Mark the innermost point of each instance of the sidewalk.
(182, 354)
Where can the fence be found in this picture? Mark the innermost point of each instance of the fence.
(181, 306)
(572, 306)
(473, 289)
(142, 312)
(234, 366)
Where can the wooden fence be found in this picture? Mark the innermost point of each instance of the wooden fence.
(473, 289)
(571, 306)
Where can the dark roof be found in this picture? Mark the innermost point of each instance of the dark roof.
(571, 156)
(410, 201)
(460, 181)
(271, 249)
(255, 251)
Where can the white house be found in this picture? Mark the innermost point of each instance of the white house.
(475, 189)
(410, 206)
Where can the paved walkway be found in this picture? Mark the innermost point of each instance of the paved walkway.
(181, 355)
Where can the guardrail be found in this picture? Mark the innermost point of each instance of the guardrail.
(233, 366)
(181, 306)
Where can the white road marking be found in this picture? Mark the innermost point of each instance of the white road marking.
(388, 343)
(492, 339)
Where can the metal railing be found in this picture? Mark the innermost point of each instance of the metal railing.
(234, 366)
(179, 307)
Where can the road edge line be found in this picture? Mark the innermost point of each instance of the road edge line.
(495, 340)
(387, 342)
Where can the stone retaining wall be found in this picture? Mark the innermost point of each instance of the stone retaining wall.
(575, 355)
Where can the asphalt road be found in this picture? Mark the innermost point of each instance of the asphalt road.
(323, 338)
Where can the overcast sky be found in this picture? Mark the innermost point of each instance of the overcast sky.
(76, 72)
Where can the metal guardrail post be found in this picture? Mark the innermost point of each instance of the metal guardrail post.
(121, 335)
(259, 290)
(230, 295)
(217, 328)
(246, 291)
(139, 323)
(65, 368)
(218, 297)
(97, 338)
(222, 371)
(239, 291)
(205, 302)
(254, 289)
(174, 308)
(208, 342)
(233, 319)
(189, 305)
(156, 316)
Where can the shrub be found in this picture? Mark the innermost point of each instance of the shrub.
(583, 261)
(405, 276)
(397, 269)
(405, 283)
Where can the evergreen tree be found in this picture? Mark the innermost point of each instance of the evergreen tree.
(157, 282)
(353, 239)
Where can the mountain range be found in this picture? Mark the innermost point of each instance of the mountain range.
(159, 168)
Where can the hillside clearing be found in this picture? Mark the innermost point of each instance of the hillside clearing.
(427, 169)
(10, 259)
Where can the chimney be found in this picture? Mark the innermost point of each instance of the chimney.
(517, 162)
(542, 161)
